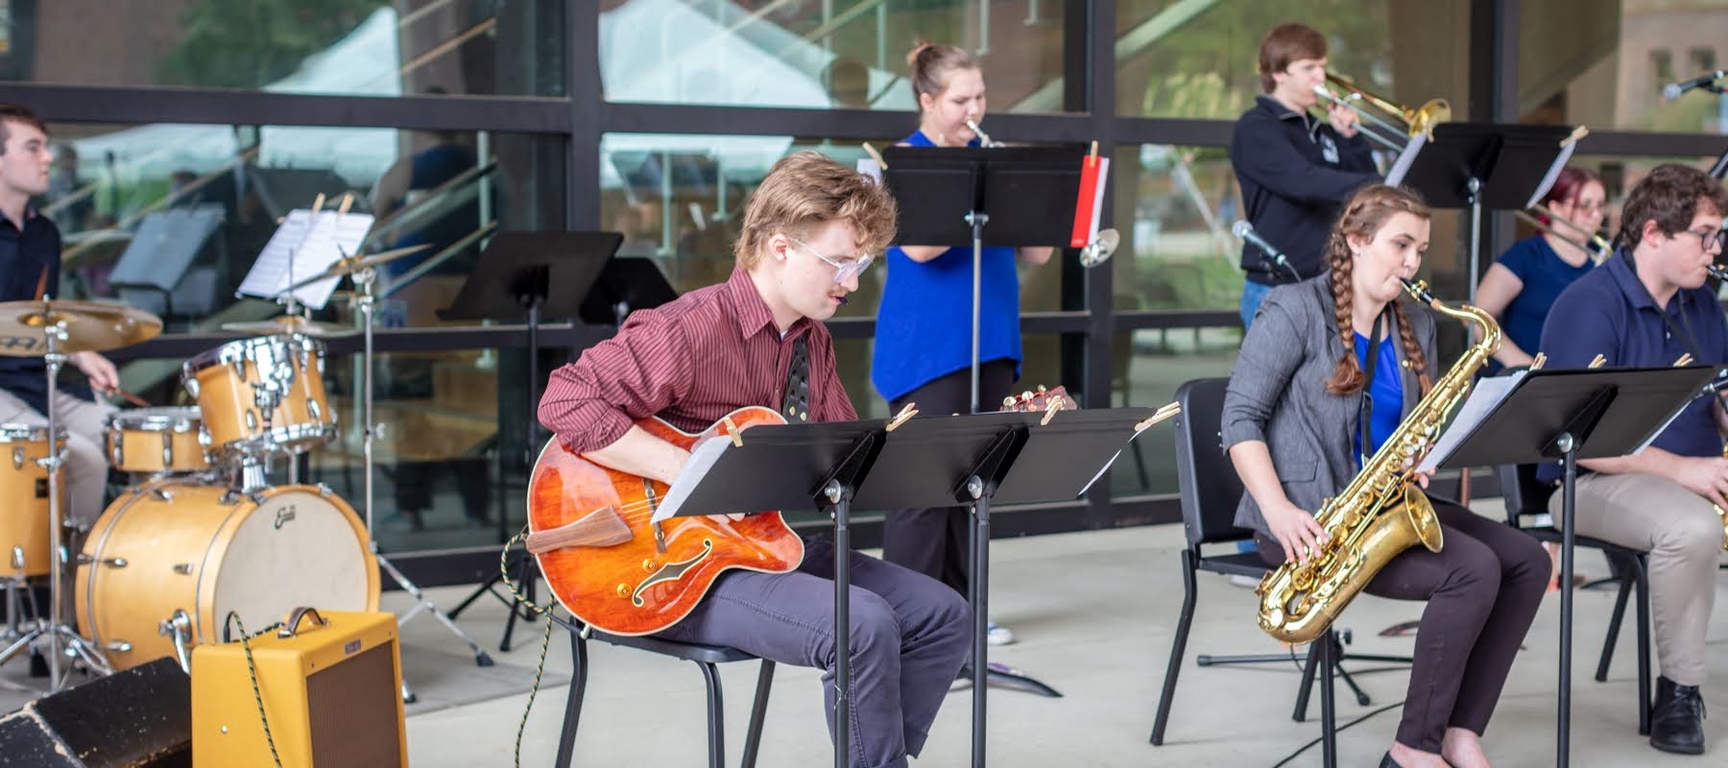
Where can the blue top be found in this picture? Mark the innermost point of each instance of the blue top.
(1386, 393)
(1608, 312)
(1544, 275)
(924, 323)
(25, 256)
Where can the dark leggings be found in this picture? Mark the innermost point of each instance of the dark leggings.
(1483, 588)
(935, 542)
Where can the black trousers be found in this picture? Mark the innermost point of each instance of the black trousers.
(934, 542)
(1483, 588)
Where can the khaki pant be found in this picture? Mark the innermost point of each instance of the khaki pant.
(1683, 536)
(86, 469)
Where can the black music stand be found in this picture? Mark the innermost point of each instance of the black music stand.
(793, 466)
(995, 458)
(1572, 415)
(947, 194)
(530, 276)
(626, 284)
(162, 252)
(1473, 166)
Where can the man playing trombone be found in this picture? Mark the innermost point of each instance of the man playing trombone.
(1294, 170)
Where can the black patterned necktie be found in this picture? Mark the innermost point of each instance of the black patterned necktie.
(795, 402)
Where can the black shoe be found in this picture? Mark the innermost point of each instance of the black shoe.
(1677, 718)
(1388, 762)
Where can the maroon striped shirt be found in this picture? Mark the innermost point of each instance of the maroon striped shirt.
(691, 361)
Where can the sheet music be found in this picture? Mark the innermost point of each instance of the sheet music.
(1406, 159)
(302, 248)
(1484, 398)
(701, 461)
(1553, 174)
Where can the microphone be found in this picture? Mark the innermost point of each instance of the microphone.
(1245, 232)
(1672, 91)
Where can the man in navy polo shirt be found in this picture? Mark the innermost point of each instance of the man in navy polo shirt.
(29, 265)
(1646, 307)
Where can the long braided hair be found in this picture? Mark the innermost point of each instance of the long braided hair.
(1364, 214)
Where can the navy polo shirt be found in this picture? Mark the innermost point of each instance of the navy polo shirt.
(1608, 312)
(25, 256)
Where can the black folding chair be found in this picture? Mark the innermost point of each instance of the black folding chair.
(1527, 500)
(1210, 492)
(706, 657)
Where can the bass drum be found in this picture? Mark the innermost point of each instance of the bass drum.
(173, 547)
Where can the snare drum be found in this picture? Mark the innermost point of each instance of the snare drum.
(172, 547)
(262, 395)
(24, 531)
(152, 440)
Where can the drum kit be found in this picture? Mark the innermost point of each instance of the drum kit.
(201, 533)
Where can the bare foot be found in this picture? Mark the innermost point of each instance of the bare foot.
(1463, 749)
(1415, 758)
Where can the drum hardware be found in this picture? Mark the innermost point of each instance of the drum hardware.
(65, 328)
(365, 276)
(178, 628)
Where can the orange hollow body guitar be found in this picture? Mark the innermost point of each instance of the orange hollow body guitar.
(590, 531)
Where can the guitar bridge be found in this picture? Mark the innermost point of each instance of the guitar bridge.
(659, 534)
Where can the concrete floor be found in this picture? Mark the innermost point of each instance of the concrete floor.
(1095, 613)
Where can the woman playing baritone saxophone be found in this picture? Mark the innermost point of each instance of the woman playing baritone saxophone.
(1327, 362)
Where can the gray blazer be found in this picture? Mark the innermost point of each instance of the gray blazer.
(1277, 393)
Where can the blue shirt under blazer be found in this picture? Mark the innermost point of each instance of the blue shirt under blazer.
(1609, 312)
(924, 323)
(1277, 393)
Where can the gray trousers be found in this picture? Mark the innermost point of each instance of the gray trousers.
(909, 636)
(86, 468)
(1684, 538)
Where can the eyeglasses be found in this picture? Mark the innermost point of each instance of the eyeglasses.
(843, 270)
(1714, 237)
(1589, 205)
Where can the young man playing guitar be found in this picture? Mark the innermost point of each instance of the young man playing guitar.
(758, 340)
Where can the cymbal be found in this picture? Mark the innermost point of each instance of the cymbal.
(91, 326)
(290, 324)
(353, 264)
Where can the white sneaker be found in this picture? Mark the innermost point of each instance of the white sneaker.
(999, 635)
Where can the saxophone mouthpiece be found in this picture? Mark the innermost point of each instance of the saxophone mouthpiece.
(1419, 290)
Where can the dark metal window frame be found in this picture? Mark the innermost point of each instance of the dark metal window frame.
(1089, 101)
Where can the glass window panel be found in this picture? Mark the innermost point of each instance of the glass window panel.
(348, 47)
(1178, 252)
(1150, 365)
(850, 53)
(112, 183)
(1177, 58)
(1603, 63)
(680, 198)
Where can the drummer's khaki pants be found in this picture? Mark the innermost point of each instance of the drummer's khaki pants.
(86, 475)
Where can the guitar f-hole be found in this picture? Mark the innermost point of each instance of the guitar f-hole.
(672, 572)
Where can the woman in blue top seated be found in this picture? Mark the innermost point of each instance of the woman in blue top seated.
(1523, 283)
(924, 325)
(1330, 368)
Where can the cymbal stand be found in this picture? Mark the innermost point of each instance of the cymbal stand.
(365, 297)
(60, 636)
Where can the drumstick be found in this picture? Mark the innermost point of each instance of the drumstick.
(42, 284)
(131, 398)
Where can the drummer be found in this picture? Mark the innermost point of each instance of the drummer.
(29, 269)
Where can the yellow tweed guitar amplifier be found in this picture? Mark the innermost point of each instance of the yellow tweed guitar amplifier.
(331, 686)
